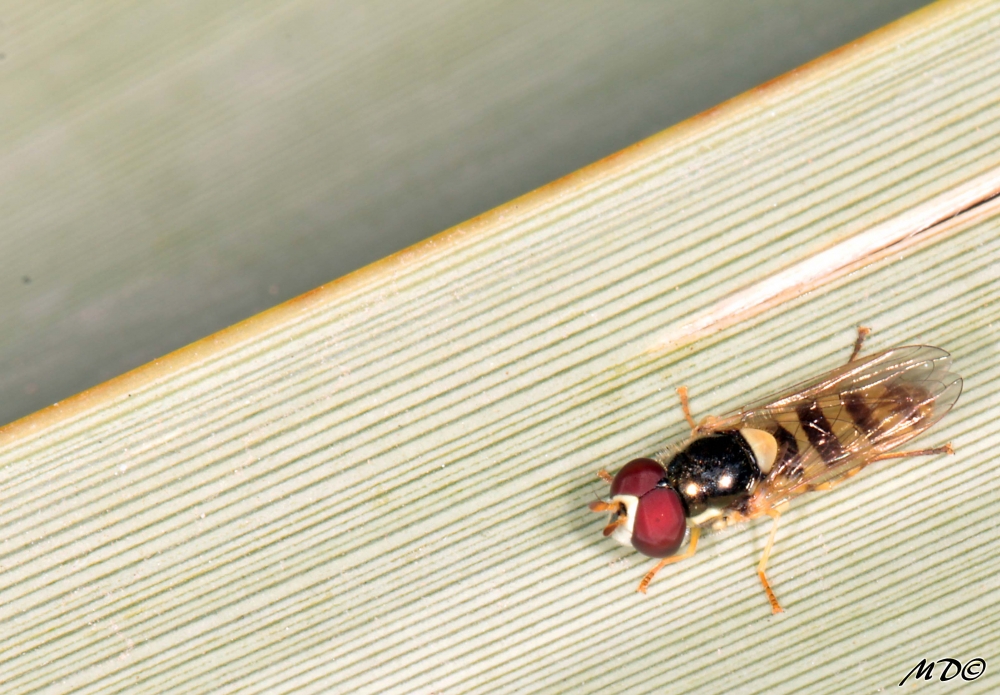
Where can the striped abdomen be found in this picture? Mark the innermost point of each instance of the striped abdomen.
(834, 427)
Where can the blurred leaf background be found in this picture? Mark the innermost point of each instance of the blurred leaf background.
(168, 170)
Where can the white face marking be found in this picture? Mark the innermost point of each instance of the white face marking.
(623, 533)
(710, 513)
(725, 481)
(691, 490)
(764, 447)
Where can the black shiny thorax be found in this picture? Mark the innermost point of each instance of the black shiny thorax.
(713, 471)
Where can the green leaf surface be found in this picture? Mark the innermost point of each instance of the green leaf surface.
(382, 486)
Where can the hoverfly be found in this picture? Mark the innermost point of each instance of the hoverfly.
(754, 460)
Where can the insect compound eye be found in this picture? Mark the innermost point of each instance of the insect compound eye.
(659, 525)
(637, 477)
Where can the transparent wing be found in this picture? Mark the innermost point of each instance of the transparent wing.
(830, 426)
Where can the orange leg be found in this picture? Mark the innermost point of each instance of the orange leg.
(686, 407)
(830, 484)
(605, 476)
(696, 427)
(644, 584)
(775, 606)
(946, 449)
(863, 332)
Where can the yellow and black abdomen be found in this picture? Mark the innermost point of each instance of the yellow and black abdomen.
(835, 429)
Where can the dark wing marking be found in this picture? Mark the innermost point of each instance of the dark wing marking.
(830, 425)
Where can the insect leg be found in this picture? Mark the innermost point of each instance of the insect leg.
(695, 532)
(946, 449)
(605, 476)
(775, 606)
(682, 392)
(706, 424)
(863, 332)
(830, 484)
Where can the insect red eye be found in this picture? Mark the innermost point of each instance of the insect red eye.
(637, 477)
(658, 527)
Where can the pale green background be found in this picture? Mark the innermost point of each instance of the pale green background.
(167, 172)
(382, 487)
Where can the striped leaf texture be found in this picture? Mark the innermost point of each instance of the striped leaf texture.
(382, 486)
